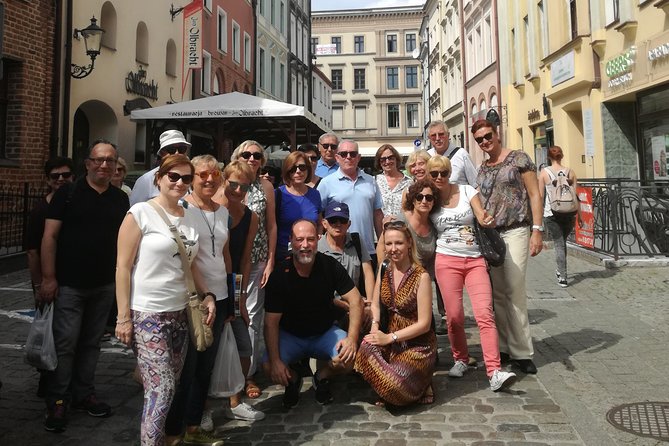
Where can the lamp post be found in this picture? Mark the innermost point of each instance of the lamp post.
(92, 35)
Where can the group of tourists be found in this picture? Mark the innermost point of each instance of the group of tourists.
(336, 265)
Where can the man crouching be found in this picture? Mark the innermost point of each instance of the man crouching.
(300, 316)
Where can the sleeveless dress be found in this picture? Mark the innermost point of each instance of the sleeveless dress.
(400, 373)
(257, 202)
(237, 241)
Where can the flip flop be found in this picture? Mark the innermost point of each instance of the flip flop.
(252, 390)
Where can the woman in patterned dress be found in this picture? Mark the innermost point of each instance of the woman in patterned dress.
(399, 364)
(391, 181)
(260, 199)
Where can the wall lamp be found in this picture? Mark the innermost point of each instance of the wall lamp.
(92, 35)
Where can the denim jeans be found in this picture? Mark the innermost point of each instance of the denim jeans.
(79, 319)
(559, 228)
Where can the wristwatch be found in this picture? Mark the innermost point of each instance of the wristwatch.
(209, 293)
(538, 228)
(394, 336)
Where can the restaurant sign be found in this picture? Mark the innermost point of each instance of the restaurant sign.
(136, 83)
(619, 69)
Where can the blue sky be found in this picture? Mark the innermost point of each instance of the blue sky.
(325, 5)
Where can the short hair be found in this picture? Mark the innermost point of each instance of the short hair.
(302, 220)
(308, 147)
(396, 155)
(206, 160)
(56, 162)
(328, 135)
(239, 168)
(100, 141)
(415, 156)
(433, 124)
(439, 161)
(292, 160)
(348, 141)
(236, 154)
(483, 123)
(555, 153)
(169, 162)
(416, 188)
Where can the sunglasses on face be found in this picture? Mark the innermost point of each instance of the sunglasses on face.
(234, 185)
(171, 150)
(337, 220)
(427, 197)
(205, 174)
(351, 154)
(313, 158)
(439, 135)
(327, 146)
(174, 177)
(394, 224)
(255, 155)
(65, 175)
(487, 136)
(440, 173)
(384, 159)
(296, 167)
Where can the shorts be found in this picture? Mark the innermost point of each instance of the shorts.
(293, 348)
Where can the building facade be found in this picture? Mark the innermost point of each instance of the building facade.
(376, 81)
(272, 49)
(299, 56)
(321, 99)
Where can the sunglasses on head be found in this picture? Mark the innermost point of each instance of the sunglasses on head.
(440, 173)
(327, 146)
(383, 159)
(487, 136)
(248, 155)
(428, 197)
(337, 220)
(234, 185)
(296, 167)
(65, 175)
(174, 148)
(351, 154)
(174, 177)
(394, 224)
(205, 174)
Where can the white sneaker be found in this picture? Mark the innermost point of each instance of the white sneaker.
(458, 369)
(501, 380)
(207, 423)
(244, 412)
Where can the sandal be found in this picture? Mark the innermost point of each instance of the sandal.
(428, 396)
(252, 390)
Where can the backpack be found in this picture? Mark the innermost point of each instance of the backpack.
(355, 237)
(561, 195)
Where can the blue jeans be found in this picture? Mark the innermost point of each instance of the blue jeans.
(560, 226)
(79, 319)
(293, 348)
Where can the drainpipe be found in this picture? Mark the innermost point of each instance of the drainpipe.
(254, 5)
(463, 63)
(65, 73)
(57, 74)
(499, 80)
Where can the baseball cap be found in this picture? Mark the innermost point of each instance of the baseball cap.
(171, 137)
(336, 209)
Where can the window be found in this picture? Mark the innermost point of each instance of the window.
(572, 19)
(261, 68)
(4, 103)
(336, 41)
(205, 80)
(207, 4)
(359, 79)
(171, 58)
(314, 44)
(392, 78)
(412, 115)
(410, 42)
(359, 44)
(337, 117)
(108, 23)
(272, 75)
(222, 31)
(247, 52)
(142, 44)
(544, 29)
(393, 116)
(282, 78)
(360, 112)
(391, 43)
(272, 11)
(411, 77)
(612, 11)
(236, 36)
(282, 12)
(216, 88)
(337, 79)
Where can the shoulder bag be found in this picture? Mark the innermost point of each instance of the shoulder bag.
(491, 244)
(200, 333)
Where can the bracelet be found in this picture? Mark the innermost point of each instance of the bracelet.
(127, 321)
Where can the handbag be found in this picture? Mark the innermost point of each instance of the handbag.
(40, 349)
(491, 244)
(227, 378)
(200, 333)
(383, 309)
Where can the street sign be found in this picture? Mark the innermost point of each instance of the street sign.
(417, 142)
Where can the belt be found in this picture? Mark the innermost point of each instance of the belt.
(516, 225)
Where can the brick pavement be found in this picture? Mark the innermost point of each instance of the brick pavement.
(599, 343)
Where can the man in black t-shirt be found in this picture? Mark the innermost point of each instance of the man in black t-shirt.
(300, 316)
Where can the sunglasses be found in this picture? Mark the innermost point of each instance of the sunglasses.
(487, 136)
(440, 173)
(296, 167)
(248, 155)
(327, 146)
(65, 175)
(313, 158)
(337, 220)
(204, 175)
(351, 154)
(427, 197)
(394, 224)
(174, 177)
(437, 135)
(234, 185)
(384, 159)
(174, 148)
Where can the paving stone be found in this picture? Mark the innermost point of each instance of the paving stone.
(391, 442)
(518, 427)
(467, 418)
(424, 434)
(542, 408)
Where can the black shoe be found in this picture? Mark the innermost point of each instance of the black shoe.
(94, 407)
(504, 357)
(322, 389)
(292, 394)
(526, 366)
(56, 417)
(441, 328)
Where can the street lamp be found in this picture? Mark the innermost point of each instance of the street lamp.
(92, 39)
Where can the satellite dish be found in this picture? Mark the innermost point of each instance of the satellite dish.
(415, 53)
(493, 117)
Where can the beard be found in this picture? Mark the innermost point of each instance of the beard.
(304, 257)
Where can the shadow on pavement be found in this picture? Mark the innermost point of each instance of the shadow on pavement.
(560, 348)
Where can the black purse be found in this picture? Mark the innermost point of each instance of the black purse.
(491, 244)
(383, 309)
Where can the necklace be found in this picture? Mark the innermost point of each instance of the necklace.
(210, 227)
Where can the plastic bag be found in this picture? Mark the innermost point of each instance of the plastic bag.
(40, 348)
(227, 378)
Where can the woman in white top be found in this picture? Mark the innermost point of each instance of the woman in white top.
(151, 291)
(459, 261)
(391, 182)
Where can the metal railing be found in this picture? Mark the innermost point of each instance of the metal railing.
(631, 217)
(16, 202)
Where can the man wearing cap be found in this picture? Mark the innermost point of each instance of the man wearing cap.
(462, 168)
(300, 316)
(171, 142)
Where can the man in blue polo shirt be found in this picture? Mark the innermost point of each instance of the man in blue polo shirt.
(358, 190)
(327, 146)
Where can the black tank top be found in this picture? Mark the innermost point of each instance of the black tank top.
(237, 242)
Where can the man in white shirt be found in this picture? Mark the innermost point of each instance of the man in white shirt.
(171, 142)
(463, 171)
